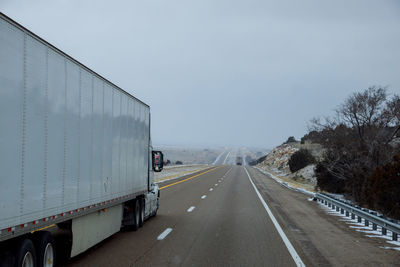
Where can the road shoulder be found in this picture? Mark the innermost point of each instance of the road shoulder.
(319, 238)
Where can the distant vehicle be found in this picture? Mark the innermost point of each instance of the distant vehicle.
(239, 161)
(75, 152)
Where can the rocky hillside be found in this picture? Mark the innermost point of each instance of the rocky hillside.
(278, 158)
(277, 162)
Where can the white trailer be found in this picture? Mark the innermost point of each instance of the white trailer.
(75, 152)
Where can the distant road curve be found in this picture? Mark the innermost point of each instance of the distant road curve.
(217, 159)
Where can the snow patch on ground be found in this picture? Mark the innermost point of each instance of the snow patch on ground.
(394, 248)
(286, 184)
(360, 227)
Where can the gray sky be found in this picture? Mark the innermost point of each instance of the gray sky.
(227, 72)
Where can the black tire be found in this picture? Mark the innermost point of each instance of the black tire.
(25, 252)
(136, 215)
(46, 249)
(158, 204)
(142, 210)
(6, 258)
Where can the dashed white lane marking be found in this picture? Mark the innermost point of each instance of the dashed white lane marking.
(227, 172)
(285, 240)
(219, 181)
(211, 189)
(216, 184)
(203, 197)
(164, 234)
(191, 209)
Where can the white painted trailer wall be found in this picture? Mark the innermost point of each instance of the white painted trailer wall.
(68, 137)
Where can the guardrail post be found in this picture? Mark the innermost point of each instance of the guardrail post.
(361, 214)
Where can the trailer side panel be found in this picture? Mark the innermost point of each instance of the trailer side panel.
(70, 138)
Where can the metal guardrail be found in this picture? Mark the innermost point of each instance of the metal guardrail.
(354, 212)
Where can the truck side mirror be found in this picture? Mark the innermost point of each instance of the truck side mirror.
(158, 161)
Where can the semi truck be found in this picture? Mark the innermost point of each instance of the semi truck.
(75, 152)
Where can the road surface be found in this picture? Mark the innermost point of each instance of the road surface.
(225, 226)
(216, 218)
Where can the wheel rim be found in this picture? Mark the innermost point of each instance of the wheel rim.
(28, 260)
(142, 213)
(48, 259)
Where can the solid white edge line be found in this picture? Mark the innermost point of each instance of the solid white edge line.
(191, 209)
(285, 240)
(164, 234)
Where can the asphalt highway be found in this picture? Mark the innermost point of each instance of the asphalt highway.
(212, 218)
(237, 216)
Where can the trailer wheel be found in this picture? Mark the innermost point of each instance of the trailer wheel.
(25, 254)
(142, 209)
(45, 246)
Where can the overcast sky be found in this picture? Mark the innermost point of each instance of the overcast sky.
(227, 72)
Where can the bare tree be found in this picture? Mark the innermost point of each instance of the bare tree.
(363, 111)
(359, 139)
